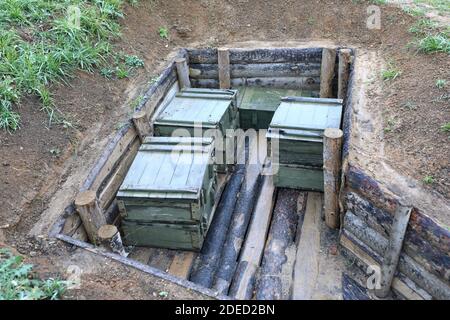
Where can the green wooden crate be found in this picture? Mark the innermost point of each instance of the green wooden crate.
(171, 182)
(163, 235)
(298, 125)
(257, 105)
(299, 177)
(199, 110)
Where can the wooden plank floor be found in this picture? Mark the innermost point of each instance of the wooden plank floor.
(318, 267)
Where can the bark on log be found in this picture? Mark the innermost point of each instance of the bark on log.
(281, 236)
(109, 236)
(142, 124)
(297, 83)
(250, 259)
(236, 234)
(183, 73)
(393, 250)
(430, 231)
(327, 73)
(376, 242)
(224, 68)
(432, 258)
(260, 70)
(345, 56)
(208, 259)
(357, 252)
(332, 146)
(266, 55)
(113, 152)
(92, 216)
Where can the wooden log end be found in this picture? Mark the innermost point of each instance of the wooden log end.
(85, 198)
(333, 133)
(139, 115)
(107, 232)
(180, 60)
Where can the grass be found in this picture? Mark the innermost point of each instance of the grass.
(43, 42)
(432, 43)
(391, 73)
(428, 180)
(446, 127)
(441, 83)
(18, 283)
(429, 38)
(163, 33)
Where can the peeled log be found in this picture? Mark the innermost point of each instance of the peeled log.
(90, 213)
(376, 242)
(208, 259)
(332, 145)
(236, 234)
(327, 73)
(343, 72)
(110, 237)
(281, 236)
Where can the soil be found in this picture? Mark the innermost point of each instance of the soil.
(39, 162)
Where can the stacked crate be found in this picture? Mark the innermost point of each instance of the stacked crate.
(257, 105)
(199, 110)
(298, 125)
(168, 195)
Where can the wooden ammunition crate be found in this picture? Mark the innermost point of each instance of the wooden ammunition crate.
(298, 125)
(201, 109)
(257, 105)
(168, 195)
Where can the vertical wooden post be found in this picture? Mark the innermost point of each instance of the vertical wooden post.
(392, 253)
(142, 124)
(90, 213)
(223, 55)
(344, 72)
(332, 145)
(327, 72)
(110, 237)
(183, 73)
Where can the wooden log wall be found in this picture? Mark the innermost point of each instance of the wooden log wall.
(290, 68)
(110, 169)
(425, 255)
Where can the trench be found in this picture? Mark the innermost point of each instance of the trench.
(267, 238)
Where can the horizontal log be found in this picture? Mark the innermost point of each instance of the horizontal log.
(265, 55)
(113, 153)
(261, 70)
(109, 191)
(250, 259)
(298, 83)
(357, 252)
(432, 258)
(429, 230)
(352, 290)
(429, 282)
(208, 259)
(158, 89)
(281, 236)
(237, 231)
(110, 157)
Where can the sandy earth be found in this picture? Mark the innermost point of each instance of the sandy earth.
(35, 184)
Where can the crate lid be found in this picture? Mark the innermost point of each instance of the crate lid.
(300, 118)
(168, 168)
(266, 99)
(203, 106)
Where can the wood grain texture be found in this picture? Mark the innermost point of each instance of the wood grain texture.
(327, 73)
(393, 250)
(306, 270)
(182, 264)
(250, 259)
(223, 56)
